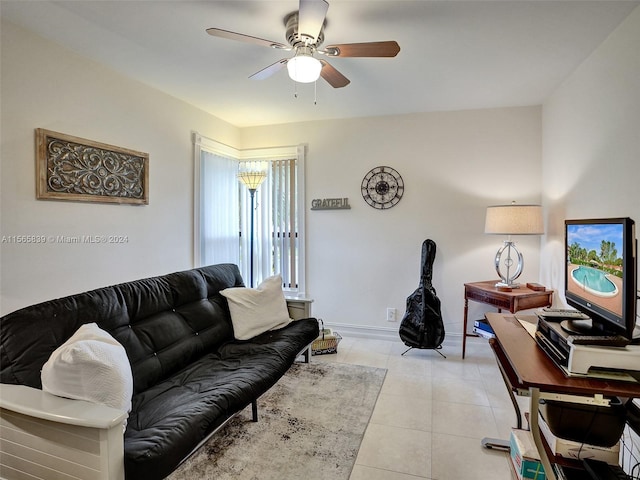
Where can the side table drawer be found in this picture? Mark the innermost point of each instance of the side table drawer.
(527, 303)
(486, 297)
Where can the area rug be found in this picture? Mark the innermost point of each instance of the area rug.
(310, 426)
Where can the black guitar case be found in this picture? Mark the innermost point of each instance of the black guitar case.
(422, 326)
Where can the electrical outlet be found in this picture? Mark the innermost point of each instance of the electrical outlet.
(391, 314)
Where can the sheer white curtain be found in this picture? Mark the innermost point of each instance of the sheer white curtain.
(219, 213)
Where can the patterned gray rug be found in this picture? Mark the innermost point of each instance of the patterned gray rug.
(310, 426)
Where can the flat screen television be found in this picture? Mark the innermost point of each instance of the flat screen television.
(600, 275)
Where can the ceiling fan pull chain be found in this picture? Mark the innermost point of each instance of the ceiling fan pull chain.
(315, 92)
(295, 89)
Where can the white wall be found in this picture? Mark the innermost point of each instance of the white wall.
(45, 86)
(591, 143)
(361, 261)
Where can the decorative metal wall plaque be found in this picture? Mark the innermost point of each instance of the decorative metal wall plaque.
(330, 204)
(72, 168)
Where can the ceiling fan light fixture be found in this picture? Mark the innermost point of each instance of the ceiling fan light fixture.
(304, 67)
(304, 33)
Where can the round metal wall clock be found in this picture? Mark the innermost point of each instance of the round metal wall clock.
(382, 187)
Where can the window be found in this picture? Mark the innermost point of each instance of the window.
(222, 209)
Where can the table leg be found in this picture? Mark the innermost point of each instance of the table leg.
(512, 396)
(497, 443)
(464, 326)
(534, 401)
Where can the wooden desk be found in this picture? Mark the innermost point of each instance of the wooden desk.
(518, 299)
(528, 370)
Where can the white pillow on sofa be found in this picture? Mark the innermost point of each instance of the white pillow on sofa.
(255, 311)
(90, 366)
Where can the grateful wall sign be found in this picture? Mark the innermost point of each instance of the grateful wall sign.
(330, 204)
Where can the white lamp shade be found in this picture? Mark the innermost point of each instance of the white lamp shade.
(304, 68)
(514, 220)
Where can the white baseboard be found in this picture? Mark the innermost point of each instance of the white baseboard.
(368, 331)
(365, 331)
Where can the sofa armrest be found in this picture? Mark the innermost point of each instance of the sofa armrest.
(36, 403)
(43, 435)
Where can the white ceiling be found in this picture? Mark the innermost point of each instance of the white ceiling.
(454, 54)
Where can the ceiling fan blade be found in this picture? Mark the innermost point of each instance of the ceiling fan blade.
(218, 32)
(311, 18)
(369, 49)
(333, 76)
(270, 70)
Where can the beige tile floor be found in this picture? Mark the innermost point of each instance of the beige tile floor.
(432, 412)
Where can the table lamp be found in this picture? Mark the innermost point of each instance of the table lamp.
(512, 220)
(252, 174)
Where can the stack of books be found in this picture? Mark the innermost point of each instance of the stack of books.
(483, 329)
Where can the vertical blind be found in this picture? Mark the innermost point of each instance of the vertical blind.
(276, 225)
(285, 228)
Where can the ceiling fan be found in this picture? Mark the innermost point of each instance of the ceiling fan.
(305, 34)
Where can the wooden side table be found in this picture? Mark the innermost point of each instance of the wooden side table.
(299, 307)
(518, 299)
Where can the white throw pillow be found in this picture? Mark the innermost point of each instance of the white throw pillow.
(90, 366)
(255, 311)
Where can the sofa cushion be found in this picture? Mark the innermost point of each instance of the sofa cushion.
(255, 311)
(181, 318)
(90, 366)
(170, 418)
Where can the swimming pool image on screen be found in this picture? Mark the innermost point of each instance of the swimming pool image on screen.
(595, 263)
(594, 281)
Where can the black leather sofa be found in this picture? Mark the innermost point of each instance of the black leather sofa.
(189, 373)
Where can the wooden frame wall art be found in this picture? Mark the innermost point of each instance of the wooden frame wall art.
(72, 168)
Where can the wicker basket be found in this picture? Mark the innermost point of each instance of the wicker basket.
(327, 341)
